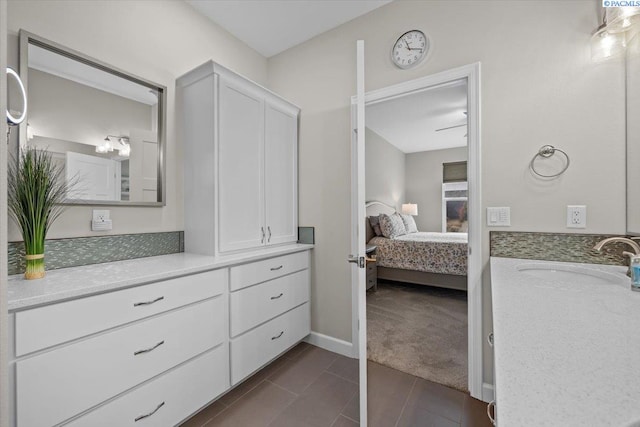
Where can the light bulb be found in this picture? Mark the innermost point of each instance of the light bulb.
(605, 45)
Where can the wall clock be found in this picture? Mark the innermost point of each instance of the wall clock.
(410, 49)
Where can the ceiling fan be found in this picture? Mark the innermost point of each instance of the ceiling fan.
(453, 127)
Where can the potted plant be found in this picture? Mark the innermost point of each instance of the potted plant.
(36, 188)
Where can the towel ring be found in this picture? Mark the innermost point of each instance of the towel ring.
(547, 151)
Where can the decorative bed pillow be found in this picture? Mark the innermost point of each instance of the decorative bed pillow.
(392, 226)
(409, 223)
(375, 224)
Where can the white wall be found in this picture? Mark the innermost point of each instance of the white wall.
(538, 87)
(4, 327)
(385, 171)
(157, 40)
(424, 183)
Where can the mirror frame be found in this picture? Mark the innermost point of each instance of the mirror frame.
(27, 38)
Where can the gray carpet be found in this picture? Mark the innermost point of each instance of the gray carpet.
(420, 330)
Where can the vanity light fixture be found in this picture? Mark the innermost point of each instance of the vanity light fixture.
(124, 148)
(609, 40)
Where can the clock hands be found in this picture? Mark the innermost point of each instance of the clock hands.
(412, 48)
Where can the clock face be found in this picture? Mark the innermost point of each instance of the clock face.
(410, 49)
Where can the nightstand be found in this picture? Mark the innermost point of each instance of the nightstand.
(372, 270)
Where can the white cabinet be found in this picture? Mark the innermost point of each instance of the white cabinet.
(241, 157)
(137, 343)
(269, 310)
(241, 179)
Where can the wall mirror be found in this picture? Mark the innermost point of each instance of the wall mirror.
(106, 127)
(633, 135)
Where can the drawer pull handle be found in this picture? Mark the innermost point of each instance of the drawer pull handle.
(142, 417)
(490, 339)
(491, 405)
(148, 302)
(276, 268)
(147, 350)
(277, 296)
(277, 336)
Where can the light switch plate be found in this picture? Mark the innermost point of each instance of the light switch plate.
(101, 220)
(499, 216)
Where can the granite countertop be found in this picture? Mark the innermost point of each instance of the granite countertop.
(70, 283)
(566, 352)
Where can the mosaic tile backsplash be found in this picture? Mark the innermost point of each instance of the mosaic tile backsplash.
(567, 247)
(74, 252)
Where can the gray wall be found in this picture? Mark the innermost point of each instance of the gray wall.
(156, 40)
(538, 87)
(385, 171)
(424, 184)
(66, 110)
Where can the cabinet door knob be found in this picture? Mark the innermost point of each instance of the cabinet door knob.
(262, 231)
(269, 230)
(490, 339)
(142, 417)
(147, 350)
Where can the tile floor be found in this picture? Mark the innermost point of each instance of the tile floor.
(309, 386)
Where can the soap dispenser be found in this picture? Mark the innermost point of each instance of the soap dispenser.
(634, 266)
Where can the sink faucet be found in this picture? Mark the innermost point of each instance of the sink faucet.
(636, 248)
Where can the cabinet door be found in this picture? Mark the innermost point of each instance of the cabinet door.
(240, 166)
(281, 174)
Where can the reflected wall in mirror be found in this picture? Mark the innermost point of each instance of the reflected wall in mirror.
(104, 126)
(633, 135)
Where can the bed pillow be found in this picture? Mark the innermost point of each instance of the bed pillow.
(409, 223)
(392, 226)
(375, 224)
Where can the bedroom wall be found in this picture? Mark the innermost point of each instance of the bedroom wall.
(538, 86)
(157, 40)
(424, 183)
(385, 171)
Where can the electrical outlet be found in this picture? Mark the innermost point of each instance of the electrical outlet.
(576, 216)
(101, 215)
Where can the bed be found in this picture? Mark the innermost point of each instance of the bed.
(426, 258)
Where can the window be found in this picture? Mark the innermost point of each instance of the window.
(454, 207)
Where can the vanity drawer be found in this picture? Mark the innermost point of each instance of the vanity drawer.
(257, 304)
(56, 385)
(257, 347)
(46, 326)
(176, 395)
(261, 271)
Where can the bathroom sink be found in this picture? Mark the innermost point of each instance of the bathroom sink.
(571, 274)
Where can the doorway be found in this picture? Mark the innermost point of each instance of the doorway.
(470, 74)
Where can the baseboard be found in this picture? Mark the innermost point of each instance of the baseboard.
(330, 343)
(487, 392)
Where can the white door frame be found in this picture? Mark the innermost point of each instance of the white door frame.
(471, 73)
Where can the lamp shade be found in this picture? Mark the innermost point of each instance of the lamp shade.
(621, 19)
(410, 209)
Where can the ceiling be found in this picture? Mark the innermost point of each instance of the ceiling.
(273, 26)
(410, 122)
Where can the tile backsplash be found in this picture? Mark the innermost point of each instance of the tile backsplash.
(567, 247)
(73, 252)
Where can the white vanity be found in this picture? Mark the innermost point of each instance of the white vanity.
(152, 339)
(566, 344)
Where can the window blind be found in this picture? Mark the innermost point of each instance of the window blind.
(454, 172)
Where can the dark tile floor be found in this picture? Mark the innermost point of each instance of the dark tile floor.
(309, 386)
